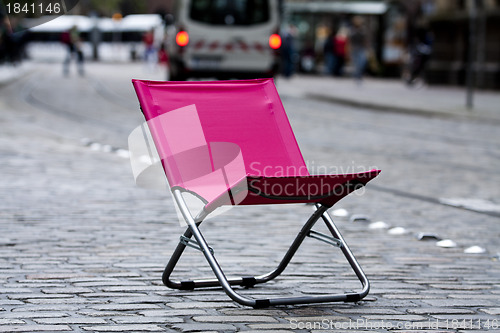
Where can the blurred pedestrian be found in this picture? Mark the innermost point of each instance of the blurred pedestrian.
(150, 52)
(5, 33)
(288, 52)
(328, 54)
(308, 58)
(163, 55)
(358, 47)
(420, 53)
(16, 41)
(73, 42)
(339, 50)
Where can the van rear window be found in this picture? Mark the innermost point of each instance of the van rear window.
(230, 12)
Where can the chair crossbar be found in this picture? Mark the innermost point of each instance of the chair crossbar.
(325, 238)
(193, 244)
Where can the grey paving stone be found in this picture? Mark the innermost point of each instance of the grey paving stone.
(204, 327)
(124, 328)
(53, 276)
(35, 284)
(274, 327)
(70, 320)
(395, 317)
(103, 313)
(234, 319)
(317, 319)
(201, 305)
(144, 288)
(15, 290)
(46, 307)
(408, 296)
(362, 310)
(34, 314)
(491, 311)
(125, 284)
(437, 310)
(72, 300)
(147, 320)
(111, 295)
(39, 295)
(35, 328)
(66, 290)
(10, 302)
(4, 321)
(124, 307)
(459, 303)
(144, 300)
(164, 313)
(461, 287)
(461, 317)
(474, 295)
(244, 312)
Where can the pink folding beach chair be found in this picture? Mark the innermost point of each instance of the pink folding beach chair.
(230, 143)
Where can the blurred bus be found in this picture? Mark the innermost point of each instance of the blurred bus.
(116, 39)
(224, 39)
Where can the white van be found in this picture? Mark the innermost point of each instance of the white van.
(224, 39)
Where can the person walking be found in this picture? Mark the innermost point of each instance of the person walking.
(288, 52)
(358, 47)
(73, 42)
(339, 50)
(328, 54)
(420, 52)
(150, 52)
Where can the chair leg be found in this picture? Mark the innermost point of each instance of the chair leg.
(350, 258)
(225, 283)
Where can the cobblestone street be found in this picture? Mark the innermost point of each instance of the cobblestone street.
(82, 248)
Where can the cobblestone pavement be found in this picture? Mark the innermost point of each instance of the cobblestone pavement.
(82, 248)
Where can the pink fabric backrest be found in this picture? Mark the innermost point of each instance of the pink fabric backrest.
(247, 113)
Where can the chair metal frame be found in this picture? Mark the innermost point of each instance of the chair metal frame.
(221, 280)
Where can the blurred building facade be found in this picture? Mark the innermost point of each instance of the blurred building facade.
(159, 6)
(465, 31)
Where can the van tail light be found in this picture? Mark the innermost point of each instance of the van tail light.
(275, 41)
(182, 38)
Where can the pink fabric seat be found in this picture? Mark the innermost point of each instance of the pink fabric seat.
(230, 142)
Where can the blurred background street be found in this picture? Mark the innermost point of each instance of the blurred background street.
(82, 248)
